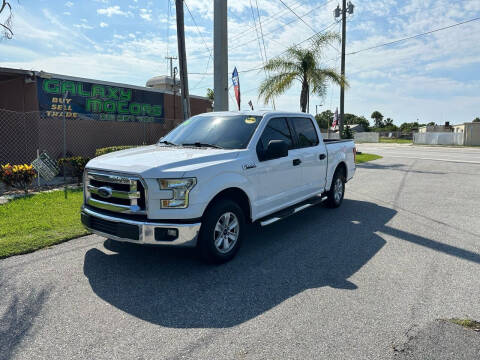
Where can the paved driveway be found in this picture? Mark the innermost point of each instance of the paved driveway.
(352, 283)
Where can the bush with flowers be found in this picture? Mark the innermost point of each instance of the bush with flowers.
(17, 176)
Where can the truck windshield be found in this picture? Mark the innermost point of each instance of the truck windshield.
(228, 132)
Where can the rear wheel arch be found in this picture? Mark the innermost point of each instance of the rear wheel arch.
(343, 168)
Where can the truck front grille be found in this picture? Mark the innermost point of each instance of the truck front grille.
(114, 192)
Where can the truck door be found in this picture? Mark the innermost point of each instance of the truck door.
(313, 155)
(277, 180)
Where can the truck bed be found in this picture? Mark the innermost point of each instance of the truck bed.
(336, 141)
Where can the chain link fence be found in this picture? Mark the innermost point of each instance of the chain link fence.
(23, 134)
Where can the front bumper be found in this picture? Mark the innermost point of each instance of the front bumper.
(139, 232)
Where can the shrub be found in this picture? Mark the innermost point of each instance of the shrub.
(347, 133)
(75, 165)
(106, 150)
(17, 176)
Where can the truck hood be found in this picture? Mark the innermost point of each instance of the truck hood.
(151, 161)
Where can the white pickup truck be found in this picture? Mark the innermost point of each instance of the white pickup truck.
(211, 176)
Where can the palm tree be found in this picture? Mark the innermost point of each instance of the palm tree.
(303, 65)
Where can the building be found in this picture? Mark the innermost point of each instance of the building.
(34, 106)
(471, 133)
(435, 128)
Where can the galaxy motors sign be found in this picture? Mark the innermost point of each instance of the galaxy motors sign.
(79, 99)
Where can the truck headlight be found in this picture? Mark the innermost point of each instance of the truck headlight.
(180, 191)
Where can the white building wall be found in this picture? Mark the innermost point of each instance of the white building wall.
(431, 138)
(368, 137)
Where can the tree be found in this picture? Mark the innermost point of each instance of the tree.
(431, 123)
(378, 119)
(409, 127)
(210, 94)
(324, 119)
(303, 65)
(477, 119)
(352, 119)
(6, 26)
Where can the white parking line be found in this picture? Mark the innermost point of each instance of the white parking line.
(435, 159)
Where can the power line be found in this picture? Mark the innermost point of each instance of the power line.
(274, 31)
(256, 31)
(282, 52)
(267, 73)
(294, 13)
(272, 17)
(196, 26)
(414, 36)
(204, 42)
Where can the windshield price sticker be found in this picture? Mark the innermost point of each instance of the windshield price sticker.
(45, 166)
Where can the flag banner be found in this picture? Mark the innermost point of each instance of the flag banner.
(335, 118)
(236, 86)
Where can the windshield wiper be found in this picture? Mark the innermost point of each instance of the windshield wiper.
(199, 144)
(166, 143)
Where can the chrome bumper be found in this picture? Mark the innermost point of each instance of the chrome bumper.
(187, 233)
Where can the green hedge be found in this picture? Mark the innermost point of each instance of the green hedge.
(106, 150)
(73, 165)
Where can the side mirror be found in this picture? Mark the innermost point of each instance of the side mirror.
(276, 149)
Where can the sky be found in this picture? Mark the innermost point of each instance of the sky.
(430, 78)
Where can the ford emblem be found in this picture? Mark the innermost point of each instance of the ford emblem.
(105, 192)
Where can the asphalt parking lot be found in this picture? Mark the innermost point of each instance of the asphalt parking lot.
(358, 282)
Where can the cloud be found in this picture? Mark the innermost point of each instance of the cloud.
(103, 24)
(69, 4)
(112, 10)
(83, 26)
(146, 14)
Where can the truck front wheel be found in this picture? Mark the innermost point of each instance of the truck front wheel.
(222, 230)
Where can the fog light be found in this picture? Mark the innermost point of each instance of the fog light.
(164, 234)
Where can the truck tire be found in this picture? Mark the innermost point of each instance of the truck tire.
(222, 231)
(337, 190)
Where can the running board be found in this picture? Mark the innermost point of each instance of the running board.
(282, 214)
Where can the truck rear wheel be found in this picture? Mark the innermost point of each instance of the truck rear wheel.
(223, 227)
(337, 190)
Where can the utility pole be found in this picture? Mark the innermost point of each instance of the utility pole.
(182, 59)
(345, 8)
(220, 55)
(171, 58)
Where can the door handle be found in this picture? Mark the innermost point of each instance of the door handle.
(322, 156)
(296, 162)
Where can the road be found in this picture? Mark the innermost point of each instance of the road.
(358, 282)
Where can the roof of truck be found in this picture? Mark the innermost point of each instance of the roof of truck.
(255, 113)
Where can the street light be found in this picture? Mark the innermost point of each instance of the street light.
(316, 108)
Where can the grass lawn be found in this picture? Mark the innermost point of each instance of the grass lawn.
(361, 158)
(38, 221)
(396, 141)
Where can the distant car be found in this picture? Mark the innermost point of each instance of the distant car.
(202, 183)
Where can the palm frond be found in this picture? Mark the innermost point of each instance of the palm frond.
(320, 76)
(322, 40)
(282, 64)
(275, 85)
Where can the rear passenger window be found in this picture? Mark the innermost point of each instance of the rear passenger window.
(276, 129)
(306, 133)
